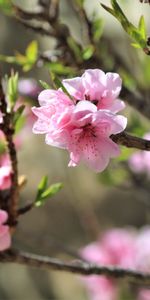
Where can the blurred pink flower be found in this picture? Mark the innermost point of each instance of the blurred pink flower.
(139, 162)
(98, 286)
(144, 294)
(28, 87)
(5, 238)
(96, 86)
(82, 127)
(119, 247)
(5, 172)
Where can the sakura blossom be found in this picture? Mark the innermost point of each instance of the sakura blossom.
(139, 161)
(5, 172)
(99, 88)
(120, 247)
(82, 126)
(5, 238)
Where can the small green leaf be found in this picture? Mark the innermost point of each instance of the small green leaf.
(44, 84)
(142, 27)
(12, 89)
(8, 59)
(45, 193)
(137, 34)
(135, 45)
(97, 29)
(75, 48)
(107, 8)
(59, 84)
(59, 69)
(52, 190)
(43, 184)
(88, 52)
(18, 114)
(32, 52)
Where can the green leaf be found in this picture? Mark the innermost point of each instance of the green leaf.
(12, 89)
(32, 52)
(6, 6)
(43, 184)
(110, 10)
(97, 29)
(52, 190)
(137, 34)
(75, 48)
(142, 27)
(18, 114)
(44, 84)
(135, 45)
(59, 84)
(44, 193)
(88, 52)
(59, 69)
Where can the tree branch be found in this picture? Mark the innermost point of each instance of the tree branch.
(76, 267)
(130, 141)
(8, 130)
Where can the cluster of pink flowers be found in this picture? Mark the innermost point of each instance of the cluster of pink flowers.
(118, 247)
(83, 123)
(5, 237)
(139, 161)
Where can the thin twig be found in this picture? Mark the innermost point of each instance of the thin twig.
(76, 267)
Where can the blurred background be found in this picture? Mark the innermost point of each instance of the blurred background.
(89, 203)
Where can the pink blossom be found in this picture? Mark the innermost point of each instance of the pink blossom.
(119, 247)
(144, 294)
(139, 162)
(53, 104)
(5, 238)
(5, 172)
(98, 286)
(82, 128)
(96, 86)
(28, 87)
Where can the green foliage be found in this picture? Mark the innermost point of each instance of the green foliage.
(12, 89)
(6, 6)
(59, 84)
(97, 29)
(88, 52)
(17, 115)
(44, 84)
(26, 61)
(59, 69)
(138, 34)
(44, 192)
(75, 49)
